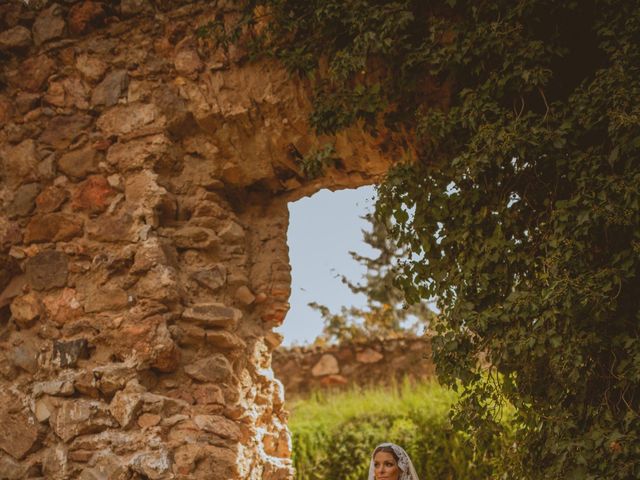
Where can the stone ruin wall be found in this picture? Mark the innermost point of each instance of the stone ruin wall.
(144, 181)
(303, 370)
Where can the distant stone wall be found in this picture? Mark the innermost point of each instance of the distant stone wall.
(305, 369)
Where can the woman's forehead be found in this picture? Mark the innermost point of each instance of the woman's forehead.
(384, 456)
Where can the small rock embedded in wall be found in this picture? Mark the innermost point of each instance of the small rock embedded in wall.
(67, 353)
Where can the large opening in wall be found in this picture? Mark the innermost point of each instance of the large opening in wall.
(353, 391)
(323, 229)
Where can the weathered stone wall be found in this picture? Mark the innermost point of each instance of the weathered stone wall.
(374, 363)
(144, 181)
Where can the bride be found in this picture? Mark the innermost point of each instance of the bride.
(391, 462)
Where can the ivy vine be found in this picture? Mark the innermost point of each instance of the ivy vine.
(521, 209)
(314, 163)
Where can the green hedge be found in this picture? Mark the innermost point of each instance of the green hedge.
(333, 435)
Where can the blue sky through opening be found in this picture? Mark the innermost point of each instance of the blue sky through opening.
(322, 230)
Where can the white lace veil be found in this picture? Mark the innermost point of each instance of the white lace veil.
(404, 463)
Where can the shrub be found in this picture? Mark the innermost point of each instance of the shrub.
(334, 434)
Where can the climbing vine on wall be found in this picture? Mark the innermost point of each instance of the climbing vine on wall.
(314, 163)
(521, 208)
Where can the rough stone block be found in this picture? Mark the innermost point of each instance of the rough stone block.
(11, 469)
(51, 199)
(138, 153)
(244, 295)
(199, 238)
(166, 355)
(125, 407)
(224, 340)
(212, 315)
(67, 353)
(186, 457)
(67, 93)
(113, 377)
(163, 405)
(9, 268)
(369, 356)
(56, 388)
(91, 67)
(100, 298)
(148, 342)
(19, 163)
(79, 163)
(124, 119)
(218, 462)
(142, 189)
(33, 73)
(53, 227)
(153, 465)
(273, 339)
(330, 380)
(213, 369)
(109, 91)
(62, 130)
(55, 462)
(212, 278)
(132, 7)
(10, 234)
(62, 306)
(47, 270)
(112, 228)
(6, 110)
(149, 254)
(218, 425)
(16, 37)
(276, 445)
(43, 409)
(187, 62)
(93, 195)
(107, 467)
(208, 394)
(26, 309)
(25, 356)
(148, 420)
(80, 417)
(25, 101)
(232, 233)
(160, 283)
(24, 200)
(19, 433)
(188, 335)
(327, 365)
(49, 24)
(84, 16)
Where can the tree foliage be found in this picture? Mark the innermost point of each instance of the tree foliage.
(385, 314)
(521, 208)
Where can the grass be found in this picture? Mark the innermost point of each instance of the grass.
(334, 433)
(334, 409)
